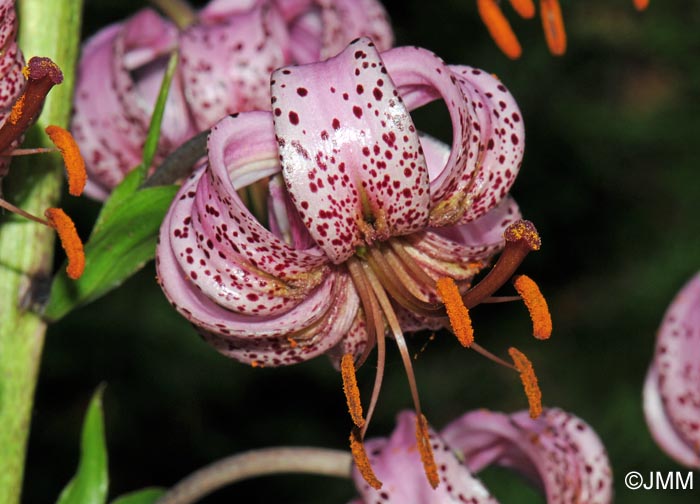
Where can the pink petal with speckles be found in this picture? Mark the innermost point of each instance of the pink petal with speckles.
(672, 386)
(11, 63)
(349, 152)
(226, 66)
(557, 451)
(397, 464)
(118, 80)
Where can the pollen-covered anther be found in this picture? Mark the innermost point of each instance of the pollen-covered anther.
(499, 28)
(75, 165)
(523, 231)
(359, 455)
(456, 311)
(70, 241)
(529, 380)
(352, 392)
(426, 450)
(553, 25)
(537, 306)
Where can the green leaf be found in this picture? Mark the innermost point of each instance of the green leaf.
(89, 485)
(143, 496)
(151, 144)
(123, 241)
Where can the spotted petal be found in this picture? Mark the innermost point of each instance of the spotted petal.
(11, 63)
(557, 451)
(672, 387)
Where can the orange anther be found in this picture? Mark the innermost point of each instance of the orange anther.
(458, 313)
(16, 111)
(70, 241)
(499, 28)
(352, 392)
(640, 5)
(426, 450)
(553, 25)
(525, 8)
(361, 459)
(529, 379)
(75, 165)
(537, 306)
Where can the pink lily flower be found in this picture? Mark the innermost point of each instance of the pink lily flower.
(558, 452)
(226, 60)
(672, 386)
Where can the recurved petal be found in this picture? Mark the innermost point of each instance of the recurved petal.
(11, 63)
(226, 65)
(397, 464)
(557, 451)
(672, 387)
(350, 155)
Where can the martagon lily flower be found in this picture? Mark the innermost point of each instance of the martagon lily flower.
(558, 452)
(22, 93)
(372, 227)
(672, 386)
(226, 57)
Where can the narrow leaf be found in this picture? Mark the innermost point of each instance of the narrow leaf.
(89, 485)
(144, 496)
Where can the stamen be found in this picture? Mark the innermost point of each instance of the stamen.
(70, 241)
(521, 238)
(525, 8)
(537, 306)
(553, 25)
(529, 379)
(640, 5)
(42, 74)
(499, 28)
(458, 313)
(426, 451)
(75, 165)
(352, 392)
(361, 459)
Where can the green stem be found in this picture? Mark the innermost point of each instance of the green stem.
(47, 28)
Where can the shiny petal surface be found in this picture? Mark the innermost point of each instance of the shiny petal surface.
(397, 464)
(558, 452)
(349, 152)
(672, 387)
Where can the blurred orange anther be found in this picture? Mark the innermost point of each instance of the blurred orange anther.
(458, 313)
(537, 306)
(75, 165)
(256, 364)
(70, 241)
(553, 25)
(352, 392)
(361, 459)
(529, 379)
(524, 8)
(499, 28)
(426, 450)
(640, 5)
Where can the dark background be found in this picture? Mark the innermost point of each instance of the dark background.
(610, 180)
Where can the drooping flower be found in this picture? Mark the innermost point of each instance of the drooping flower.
(558, 453)
(365, 216)
(672, 386)
(226, 58)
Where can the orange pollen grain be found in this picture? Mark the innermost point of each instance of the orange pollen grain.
(70, 241)
(16, 111)
(529, 379)
(361, 459)
(456, 311)
(524, 8)
(426, 451)
(256, 364)
(499, 28)
(640, 5)
(553, 25)
(292, 342)
(352, 392)
(537, 306)
(75, 165)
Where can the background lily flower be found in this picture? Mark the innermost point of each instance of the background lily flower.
(226, 60)
(672, 386)
(558, 453)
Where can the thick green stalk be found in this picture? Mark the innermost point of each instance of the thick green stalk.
(47, 28)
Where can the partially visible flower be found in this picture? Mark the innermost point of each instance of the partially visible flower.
(372, 228)
(226, 58)
(558, 453)
(672, 386)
